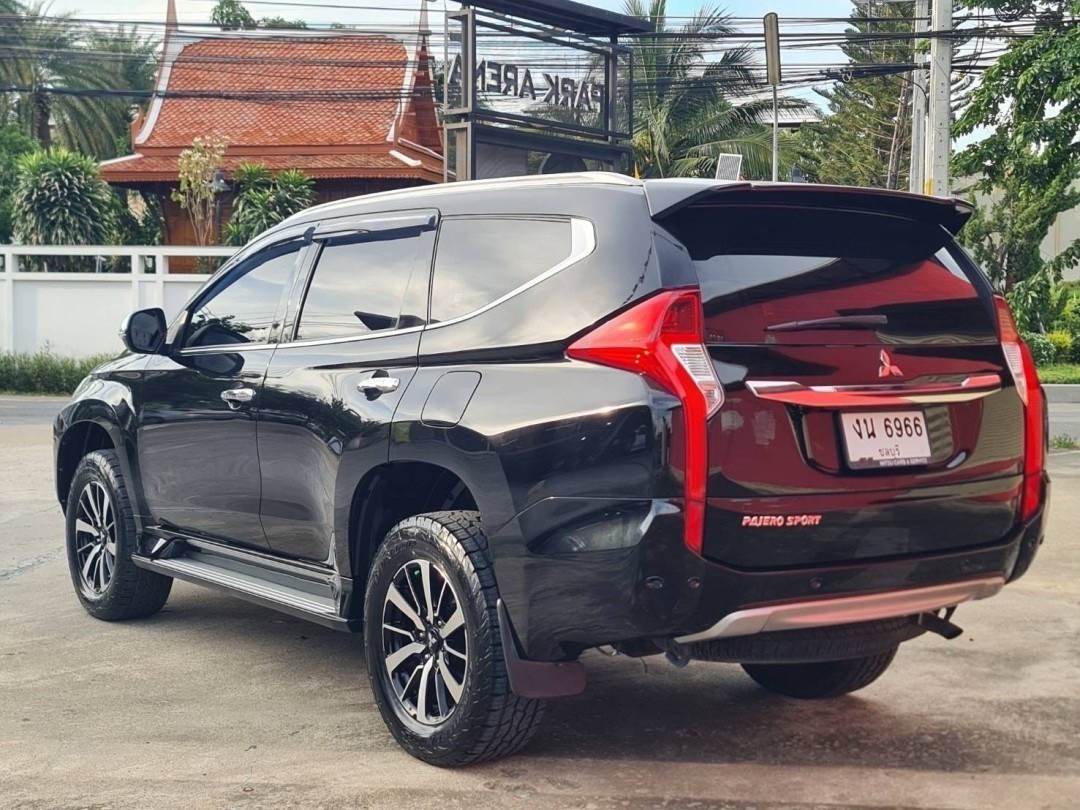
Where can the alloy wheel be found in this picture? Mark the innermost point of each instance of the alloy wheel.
(95, 538)
(424, 642)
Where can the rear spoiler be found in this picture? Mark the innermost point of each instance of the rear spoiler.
(668, 197)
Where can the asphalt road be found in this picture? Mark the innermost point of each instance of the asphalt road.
(218, 703)
(1065, 419)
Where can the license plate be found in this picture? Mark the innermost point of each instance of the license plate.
(885, 439)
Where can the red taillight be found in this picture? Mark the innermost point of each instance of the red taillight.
(1022, 367)
(1010, 345)
(1034, 439)
(660, 338)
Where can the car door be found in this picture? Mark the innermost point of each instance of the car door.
(334, 382)
(197, 452)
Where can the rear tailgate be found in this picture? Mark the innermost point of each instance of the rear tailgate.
(870, 412)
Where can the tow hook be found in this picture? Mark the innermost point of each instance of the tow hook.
(941, 624)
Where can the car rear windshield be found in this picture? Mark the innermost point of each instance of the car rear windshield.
(790, 275)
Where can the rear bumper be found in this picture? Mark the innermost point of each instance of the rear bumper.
(657, 589)
(847, 609)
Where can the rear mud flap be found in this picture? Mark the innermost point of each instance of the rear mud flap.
(537, 679)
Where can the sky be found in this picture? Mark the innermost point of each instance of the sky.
(194, 10)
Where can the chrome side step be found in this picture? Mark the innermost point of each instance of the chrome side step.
(315, 599)
(847, 609)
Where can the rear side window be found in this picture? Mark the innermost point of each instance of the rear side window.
(768, 273)
(362, 285)
(479, 260)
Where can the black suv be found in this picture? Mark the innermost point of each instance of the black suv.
(495, 424)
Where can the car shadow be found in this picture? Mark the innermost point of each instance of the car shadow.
(648, 710)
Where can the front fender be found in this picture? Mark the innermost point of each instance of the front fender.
(108, 398)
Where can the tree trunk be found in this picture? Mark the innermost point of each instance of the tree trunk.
(896, 150)
(42, 119)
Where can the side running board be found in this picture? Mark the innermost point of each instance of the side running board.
(288, 588)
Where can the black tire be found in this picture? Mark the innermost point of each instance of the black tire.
(120, 590)
(825, 679)
(487, 719)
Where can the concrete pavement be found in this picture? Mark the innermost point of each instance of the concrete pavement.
(218, 703)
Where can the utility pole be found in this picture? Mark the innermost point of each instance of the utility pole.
(772, 69)
(917, 172)
(939, 141)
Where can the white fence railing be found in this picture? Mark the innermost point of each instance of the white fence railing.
(44, 304)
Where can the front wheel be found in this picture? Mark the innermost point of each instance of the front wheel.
(100, 541)
(825, 679)
(434, 654)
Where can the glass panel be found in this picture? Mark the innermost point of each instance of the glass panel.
(789, 275)
(359, 287)
(244, 311)
(481, 260)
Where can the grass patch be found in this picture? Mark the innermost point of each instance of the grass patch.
(1060, 373)
(44, 372)
(1064, 443)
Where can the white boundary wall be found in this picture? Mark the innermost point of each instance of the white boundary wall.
(77, 314)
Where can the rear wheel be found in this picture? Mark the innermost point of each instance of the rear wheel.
(100, 541)
(823, 679)
(434, 653)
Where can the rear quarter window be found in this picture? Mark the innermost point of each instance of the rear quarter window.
(481, 259)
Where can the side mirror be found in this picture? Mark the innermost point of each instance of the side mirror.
(143, 332)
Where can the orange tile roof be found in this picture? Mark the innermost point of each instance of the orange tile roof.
(278, 91)
(284, 100)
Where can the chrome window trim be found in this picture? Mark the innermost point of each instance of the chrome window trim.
(226, 348)
(349, 339)
(582, 245)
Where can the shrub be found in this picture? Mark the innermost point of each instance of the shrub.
(1042, 350)
(60, 200)
(1060, 373)
(44, 372)
(13, 145)
(263, 200)
(1063, 345)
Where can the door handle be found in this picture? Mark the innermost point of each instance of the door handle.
(235, 397)
(377, 386)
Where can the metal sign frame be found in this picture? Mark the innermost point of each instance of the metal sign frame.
(469, 124)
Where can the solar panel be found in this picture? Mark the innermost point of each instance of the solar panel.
(728, 167)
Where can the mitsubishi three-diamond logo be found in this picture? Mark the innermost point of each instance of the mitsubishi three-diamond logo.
(887, 368)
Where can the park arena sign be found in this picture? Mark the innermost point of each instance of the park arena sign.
(516, 81)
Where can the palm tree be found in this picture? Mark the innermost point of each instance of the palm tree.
(59, 79)
(688, 110)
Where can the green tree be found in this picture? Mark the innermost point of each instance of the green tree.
(58, 75)
(1027, 166)
(133, 58)
(280, 22)
(264, 199)
(231, 15)
(196, 193)
(865, 140)
(13, 145)
(59, 199)
(688, 110)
